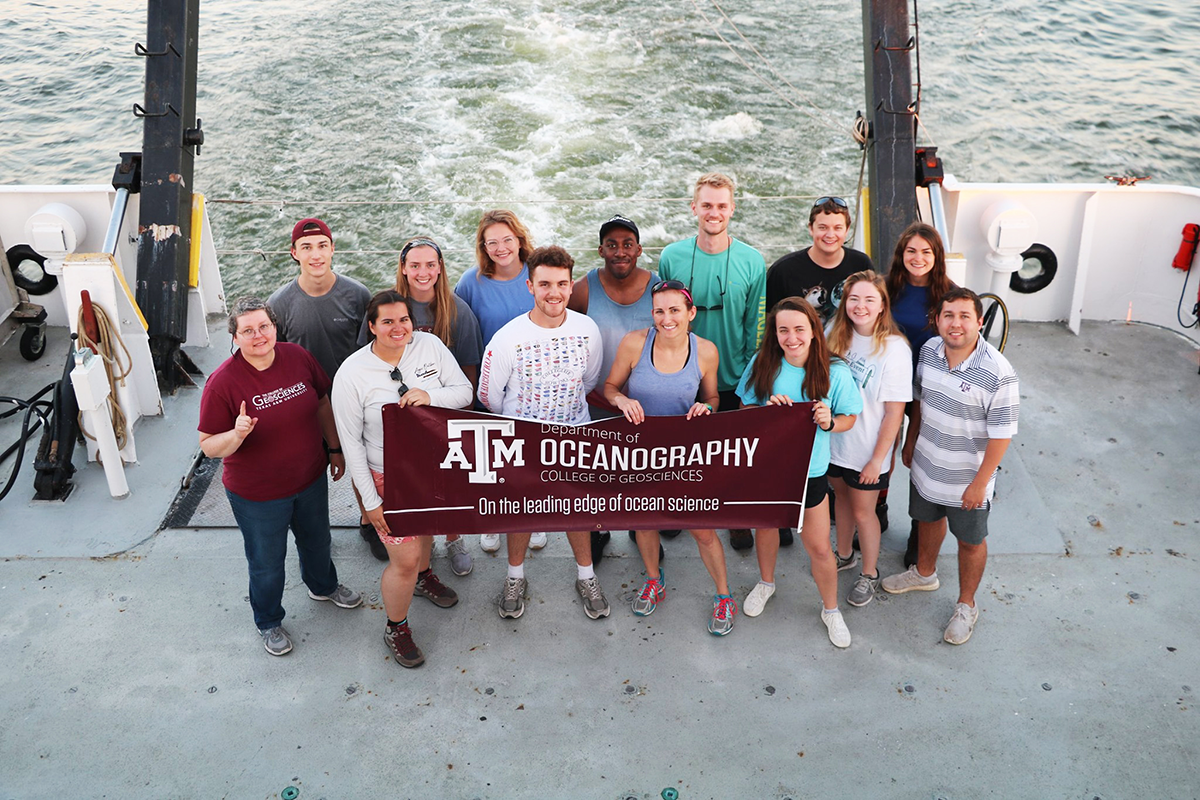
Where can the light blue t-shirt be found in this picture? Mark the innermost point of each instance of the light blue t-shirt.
(495, 302)
(844, 398)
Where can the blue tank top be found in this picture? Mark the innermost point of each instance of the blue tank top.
(662, 394)
(615, 320)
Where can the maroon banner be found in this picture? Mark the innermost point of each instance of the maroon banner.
(451, 471)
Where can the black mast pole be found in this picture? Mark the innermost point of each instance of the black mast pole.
(888, 43)
(169, 134)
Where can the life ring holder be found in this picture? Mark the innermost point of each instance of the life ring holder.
(23, 252)
(1048, 263)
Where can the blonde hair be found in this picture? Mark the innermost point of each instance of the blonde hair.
(716, 180)
(442, 307)
(500, 216)
(842, 332)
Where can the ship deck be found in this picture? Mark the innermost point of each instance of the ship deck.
(133, 669)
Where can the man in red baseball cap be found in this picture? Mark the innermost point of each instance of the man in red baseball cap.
(320, 310)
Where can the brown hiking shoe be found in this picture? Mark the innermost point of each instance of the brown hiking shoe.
(399, 640)
(432, 587)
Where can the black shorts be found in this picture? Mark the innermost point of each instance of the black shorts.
(818, 490)
(851, 477)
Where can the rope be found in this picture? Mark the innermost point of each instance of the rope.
(493, 202)
(109, 334)
(756, 74)
(837, 126)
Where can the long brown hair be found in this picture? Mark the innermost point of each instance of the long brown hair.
(842, 332)
(442, 307)
(898, 277)
(500, 216)
(770, 354)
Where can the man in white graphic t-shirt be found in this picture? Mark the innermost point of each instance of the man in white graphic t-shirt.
(541, 366)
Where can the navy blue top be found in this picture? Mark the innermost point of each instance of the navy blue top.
(911, 312)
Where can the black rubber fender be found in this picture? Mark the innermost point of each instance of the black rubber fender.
(1035, 283)
(23, 252)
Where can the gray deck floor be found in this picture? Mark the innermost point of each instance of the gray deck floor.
(140, 674)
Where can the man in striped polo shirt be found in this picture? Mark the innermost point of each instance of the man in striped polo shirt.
(960, 431)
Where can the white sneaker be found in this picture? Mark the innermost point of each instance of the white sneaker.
(489, 542)
(839, 634)
(756, 601)
(962, 624)
(537, 541)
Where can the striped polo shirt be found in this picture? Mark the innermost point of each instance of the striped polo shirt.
(961, 410)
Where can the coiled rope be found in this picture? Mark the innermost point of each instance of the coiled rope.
(106, 349)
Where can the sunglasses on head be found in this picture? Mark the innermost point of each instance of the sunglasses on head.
(837, 201)
(672, 285)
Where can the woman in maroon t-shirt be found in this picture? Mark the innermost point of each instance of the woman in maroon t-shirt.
(265, 412)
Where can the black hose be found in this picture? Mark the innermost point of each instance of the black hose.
(32, 406)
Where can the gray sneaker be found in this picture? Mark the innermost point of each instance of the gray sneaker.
(512, 599)
(341, 597)
(276, 640)
(910, 581)
(460, 559)
(863, 590)
(724, 610)
(846, 563)
(595, 604)
(962, 624)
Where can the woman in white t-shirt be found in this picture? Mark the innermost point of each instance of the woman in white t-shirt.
(865, 334)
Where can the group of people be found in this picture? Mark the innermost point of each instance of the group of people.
(713, 330)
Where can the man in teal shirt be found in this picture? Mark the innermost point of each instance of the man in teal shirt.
(727, 280)
(728, 283)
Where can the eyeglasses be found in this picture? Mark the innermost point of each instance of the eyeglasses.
(419, 242)
(837, 201)
(672, 285)
(507, 241)
(396, 376)
(261, 330)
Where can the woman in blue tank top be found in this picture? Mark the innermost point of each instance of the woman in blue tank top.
(660, 372)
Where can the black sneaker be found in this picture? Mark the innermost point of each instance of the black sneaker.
(786, 536)
(670, 534)
(367, 531)
(741, 538)
(399, 640)
(881, 513)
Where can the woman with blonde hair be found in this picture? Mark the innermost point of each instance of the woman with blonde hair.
(860, 459)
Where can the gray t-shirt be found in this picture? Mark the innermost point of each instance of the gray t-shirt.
(468, 341)
(326, 326)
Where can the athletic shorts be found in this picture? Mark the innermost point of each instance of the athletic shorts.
(818, 490)
(969, 527)
(378, 477)
(851, 477)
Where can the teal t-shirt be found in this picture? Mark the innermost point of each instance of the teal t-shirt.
(735, 280)
(844, 398)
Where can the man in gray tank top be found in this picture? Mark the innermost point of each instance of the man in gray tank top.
(617, 298)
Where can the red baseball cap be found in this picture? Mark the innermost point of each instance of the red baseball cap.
(310, 226)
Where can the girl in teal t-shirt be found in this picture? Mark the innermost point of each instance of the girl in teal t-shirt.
(793, 365)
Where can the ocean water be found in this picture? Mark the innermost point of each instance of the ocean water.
(391, 118)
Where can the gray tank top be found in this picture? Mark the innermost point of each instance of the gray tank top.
(664, 394)
(615, 320)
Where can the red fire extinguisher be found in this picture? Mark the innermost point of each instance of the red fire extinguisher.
(1187, 248)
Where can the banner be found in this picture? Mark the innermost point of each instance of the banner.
(451, 471)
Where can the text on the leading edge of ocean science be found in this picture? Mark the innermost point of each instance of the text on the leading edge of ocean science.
(450, 471)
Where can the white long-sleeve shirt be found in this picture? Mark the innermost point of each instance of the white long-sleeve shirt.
(542, 374)
(363, 386)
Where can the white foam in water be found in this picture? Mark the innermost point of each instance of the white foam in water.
(735, 126)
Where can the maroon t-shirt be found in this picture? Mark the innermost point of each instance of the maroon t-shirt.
(283, 454)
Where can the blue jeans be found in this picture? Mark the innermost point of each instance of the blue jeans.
(264, 525)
